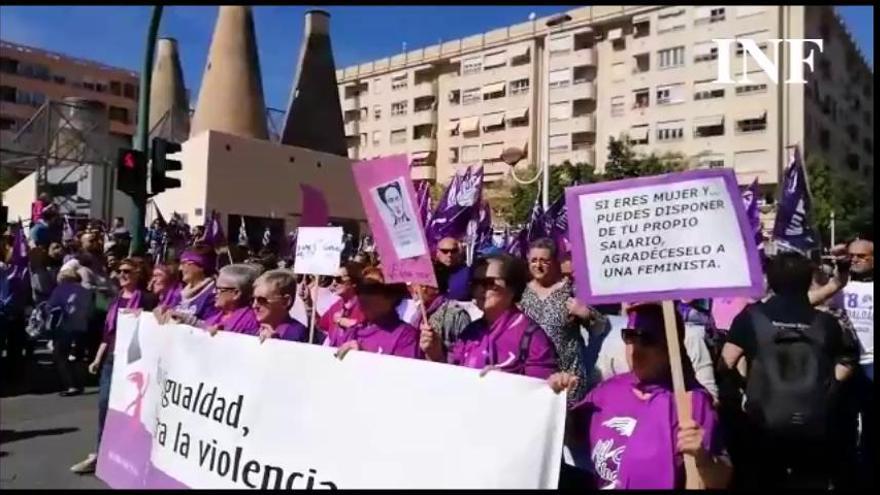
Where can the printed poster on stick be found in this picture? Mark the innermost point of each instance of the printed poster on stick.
(389, 200)
(675, 236)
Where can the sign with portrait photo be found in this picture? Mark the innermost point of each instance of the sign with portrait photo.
(395, 208)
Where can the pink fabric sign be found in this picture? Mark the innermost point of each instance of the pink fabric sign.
(314, 209)
(725, 309)
(389, 200)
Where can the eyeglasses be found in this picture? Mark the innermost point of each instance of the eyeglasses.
(341, 280)
(265, 301)
(633, 335)
(489, 283)
(226, 289)
(861, 256)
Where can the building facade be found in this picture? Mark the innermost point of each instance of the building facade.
(559, 87)
(30, 76)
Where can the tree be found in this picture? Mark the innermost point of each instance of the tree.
(522, 198)
(624, 163)
(851, 202)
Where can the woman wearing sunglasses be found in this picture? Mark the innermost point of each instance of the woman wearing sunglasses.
(274, 293)
(132, 297)
(382, 330)
(504, 338)
(345, 312)
(629, 422)
(235, 285)
(197, 297)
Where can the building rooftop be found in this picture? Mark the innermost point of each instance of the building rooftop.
(60, 56)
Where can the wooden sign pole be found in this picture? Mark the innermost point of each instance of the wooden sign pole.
(314, 312)
(682, 399)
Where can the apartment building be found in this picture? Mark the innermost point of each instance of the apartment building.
(560, 86)
(30, 76)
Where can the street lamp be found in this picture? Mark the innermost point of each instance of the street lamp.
(551, 23)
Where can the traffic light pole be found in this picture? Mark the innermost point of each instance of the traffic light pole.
(141, 139)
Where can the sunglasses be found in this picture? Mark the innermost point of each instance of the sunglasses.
(125, 271)
(449, 251)
(265, 301)
(635, 335)
(340, 280)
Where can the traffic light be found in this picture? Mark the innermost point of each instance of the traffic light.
(162, 165)
(131, 172)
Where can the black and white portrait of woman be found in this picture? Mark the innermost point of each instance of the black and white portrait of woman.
(395, 206)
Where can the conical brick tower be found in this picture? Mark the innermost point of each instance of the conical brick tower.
(231, 93)
(314, 114)
(169, 108)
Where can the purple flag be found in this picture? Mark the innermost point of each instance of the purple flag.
(67, 234)
(314, 209)
(460, 203)
(536, 227)
(19, 259)
(214, 235)
(484, 228)
(792, 228)
(423, 198)
(750, 201)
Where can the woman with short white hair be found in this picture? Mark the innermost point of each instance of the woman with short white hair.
(233, 300)
(274, 293)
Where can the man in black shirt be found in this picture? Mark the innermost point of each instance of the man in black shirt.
(796, 357)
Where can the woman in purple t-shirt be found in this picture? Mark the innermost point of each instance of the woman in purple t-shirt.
(629, 422)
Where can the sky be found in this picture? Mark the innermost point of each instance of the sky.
(115, 35)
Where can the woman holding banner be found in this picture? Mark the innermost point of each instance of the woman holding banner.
(235, 285)
(165, 284)
(629, 422)
(199, 291)
(274, 293)
(504, 338)
(345, 312)
(382, 330)
(548, 301)
(132, 297)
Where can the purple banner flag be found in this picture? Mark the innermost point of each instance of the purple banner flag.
(423, 197)
(214, 235)
(314, 209)
(484, 228)
(458, 205)
(536, 227)
(19, 259)
(792, 228)
(750, 201)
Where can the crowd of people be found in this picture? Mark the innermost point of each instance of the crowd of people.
(781, 396)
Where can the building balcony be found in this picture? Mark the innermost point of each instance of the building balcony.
(583, 154)
(424, 172)
(424, 144)
(349, 104)
(352, 128)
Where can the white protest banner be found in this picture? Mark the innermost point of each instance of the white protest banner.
(318, 250)
(230, 412)
(858, 299)
(674, 236)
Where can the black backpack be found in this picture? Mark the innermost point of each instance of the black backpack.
(790, 383)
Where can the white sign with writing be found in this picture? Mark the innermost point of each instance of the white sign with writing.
(230, 412)
(858, 299)
(318, 250)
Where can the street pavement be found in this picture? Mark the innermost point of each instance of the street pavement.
(43, 434)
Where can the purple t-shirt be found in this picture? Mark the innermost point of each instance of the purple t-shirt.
(200, 304)
(241, 320)
(291, 330)
(481, 345)
(390, 336)
(632, 441)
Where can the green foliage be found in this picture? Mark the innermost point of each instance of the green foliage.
(851, 201)
(561, 176)
(623, 163)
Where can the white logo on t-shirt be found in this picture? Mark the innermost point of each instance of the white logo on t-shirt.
(606, 458)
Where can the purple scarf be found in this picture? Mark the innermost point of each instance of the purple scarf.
(239, 320)
(112, 312)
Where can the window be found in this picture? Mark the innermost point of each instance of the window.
(560, 111)
(642, 63)
(705, 90)
(583, 40)
(672, 20)
(493, 122)
(471, 96)
(424, 131)
(671, 57)
(423, 104)
(7, 124)
(581, 108)
(519, 87)
(116, 88)
(638, 134)
(399, 108)
(377, 112)
(7, 94)
(517, 118)
(747, 89)
(363, 140)
(751, 161)
(852, 161)
(709, 15)
(641, 27)
(581, 74)
(495, 60)
(398, 136)
(453, 155)
(399, 82)
(617, 104)
(559, 143)
(615, 36)
(453, 127)
(377, 138)
(670, 94)
(494, 91)
(712, 161)
(377, 88)
(519, 55)
(580, 141)
(8, 65)
(752, 124)
(59, 79)
(560, 78)
(755, 35)
(560, 45)
(470, 154)
(641, 98)
(455, 97)
(705, 51)
(709, 126)
(118, 114)
(672, 130)
(492, 152)
(868, 145)
(618, 72)
(364, 114)
(129, 91)
(824, 138)
(472, 65)
(351, 116)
